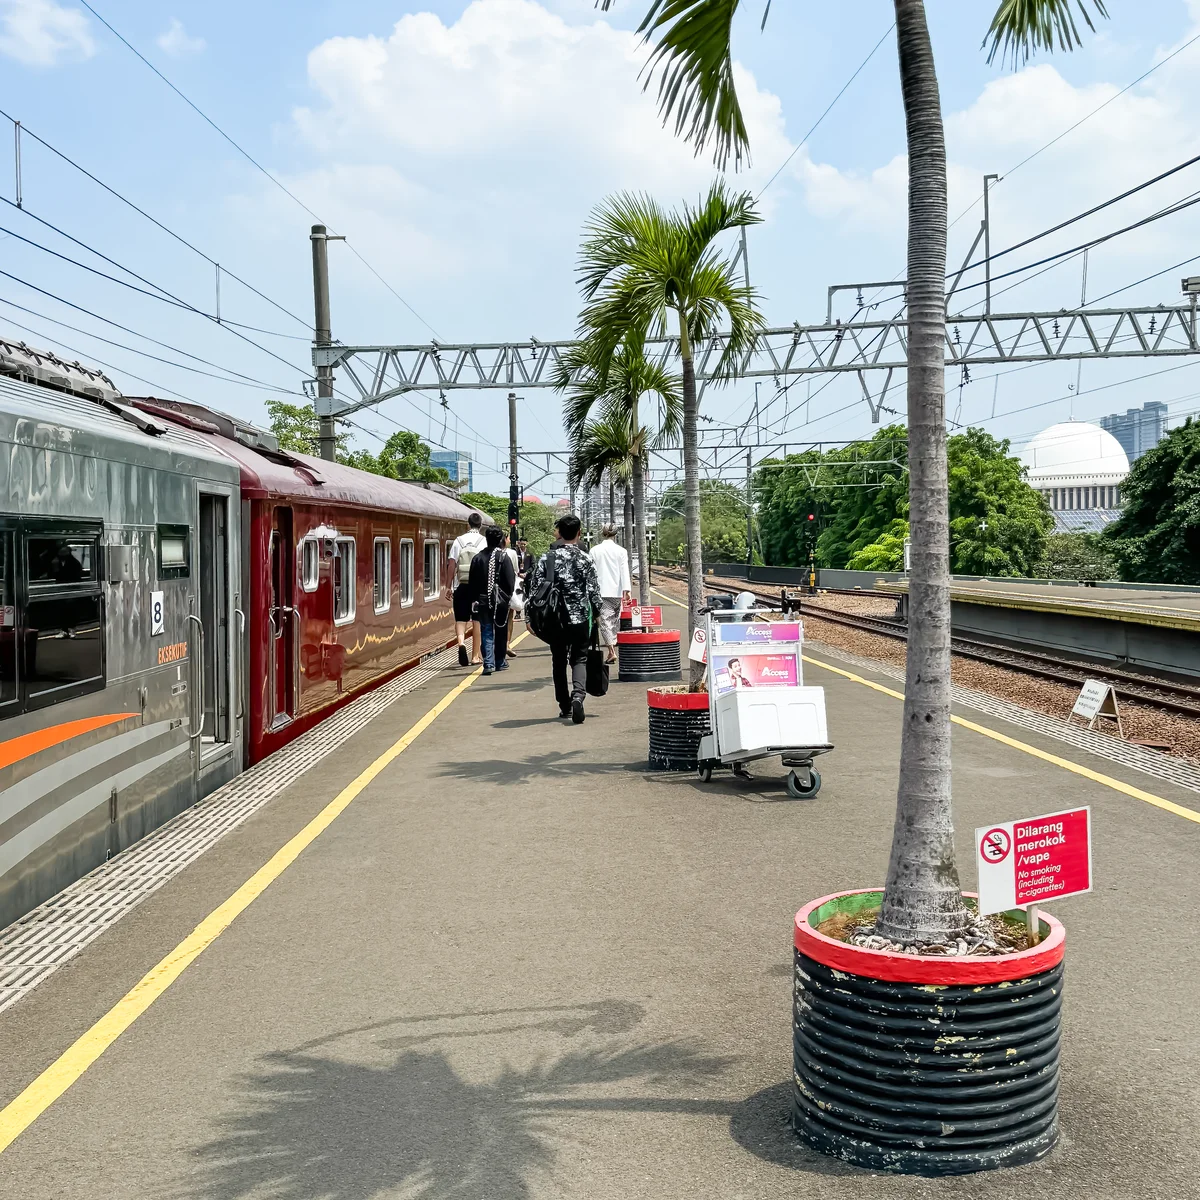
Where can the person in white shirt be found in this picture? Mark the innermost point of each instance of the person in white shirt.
(612, 571)
(463, 549)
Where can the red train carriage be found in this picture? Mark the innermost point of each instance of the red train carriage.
(345, 573)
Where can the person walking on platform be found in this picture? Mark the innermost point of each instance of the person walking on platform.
(464, 548)
(612, 572)
(575, 578)
(490, 585)
(517, 603)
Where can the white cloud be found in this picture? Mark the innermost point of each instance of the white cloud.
(40, 33)
(177, 43)
(476, 149)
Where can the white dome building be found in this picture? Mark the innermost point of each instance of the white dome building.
(1078, 467)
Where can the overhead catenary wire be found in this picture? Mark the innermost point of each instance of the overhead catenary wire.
(253, 161)
(27, 132)
(828, 109)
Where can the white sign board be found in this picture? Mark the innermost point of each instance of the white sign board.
(699, 648)
(1091, 699)
(157, 621)
(1025, 863)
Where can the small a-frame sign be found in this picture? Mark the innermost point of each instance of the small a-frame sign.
(1096, 700)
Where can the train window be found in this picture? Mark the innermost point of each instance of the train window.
(406, 572)
(8, 623)
(310, 564)
(383, 574)
(173, 552)
(345, 579)
(63, 648)
(60, 560)
(59, 632)
(433, 570)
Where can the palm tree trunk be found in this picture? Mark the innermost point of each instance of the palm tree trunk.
(628, 532)
(691, 491)
(639, 528)
(923, 899)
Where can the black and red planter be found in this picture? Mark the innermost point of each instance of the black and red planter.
(920, 1064)
(649, 656)
(678, 720)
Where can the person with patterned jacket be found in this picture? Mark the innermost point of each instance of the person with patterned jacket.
(580, 590)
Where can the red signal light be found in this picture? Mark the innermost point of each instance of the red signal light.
(812, 516)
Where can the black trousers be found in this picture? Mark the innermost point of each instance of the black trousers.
(571, 650)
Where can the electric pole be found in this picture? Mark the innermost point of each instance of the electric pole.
(749, 514)
(987, 245)
(514, 492)
(323, 337)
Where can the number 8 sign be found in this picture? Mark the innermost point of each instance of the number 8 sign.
(157, 621)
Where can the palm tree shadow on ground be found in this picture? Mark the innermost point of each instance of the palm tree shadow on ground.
(310, 1126)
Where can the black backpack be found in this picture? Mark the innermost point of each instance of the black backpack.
(545, 612)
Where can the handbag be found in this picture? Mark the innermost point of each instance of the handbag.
(597, 670)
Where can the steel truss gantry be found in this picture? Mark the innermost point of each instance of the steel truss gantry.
(860, 345)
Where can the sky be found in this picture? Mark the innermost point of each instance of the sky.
(461, 146)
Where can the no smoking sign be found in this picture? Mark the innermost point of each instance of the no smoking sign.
(995, 845)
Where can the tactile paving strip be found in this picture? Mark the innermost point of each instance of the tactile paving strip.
(1152, 762)
(36, 945)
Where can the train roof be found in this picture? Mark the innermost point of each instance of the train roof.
(101, 427)
(268, 472)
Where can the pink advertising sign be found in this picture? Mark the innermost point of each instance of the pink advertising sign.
(754, 669)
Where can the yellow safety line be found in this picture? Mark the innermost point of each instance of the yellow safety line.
(668, 599)
(1188, 814)
(17, 1116)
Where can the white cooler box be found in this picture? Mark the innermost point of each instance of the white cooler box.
(751, 719)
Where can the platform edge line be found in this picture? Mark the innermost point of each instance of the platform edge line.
(1188, 814)
(21, 1112)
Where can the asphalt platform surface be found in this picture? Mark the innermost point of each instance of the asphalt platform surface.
(520, 965)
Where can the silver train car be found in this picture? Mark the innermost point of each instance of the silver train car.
(120, 627)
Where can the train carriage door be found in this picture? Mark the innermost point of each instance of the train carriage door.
(282, 619)
(215, 587)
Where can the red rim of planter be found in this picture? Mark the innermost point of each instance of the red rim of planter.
(677, 701)
(640, 637)
(911, 968)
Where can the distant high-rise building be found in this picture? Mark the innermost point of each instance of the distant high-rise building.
(1138, 429)
(458, 465)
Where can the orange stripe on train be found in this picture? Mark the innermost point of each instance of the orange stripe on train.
(42, 739)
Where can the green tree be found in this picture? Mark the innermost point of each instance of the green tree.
(646, 271)
(1076, 556)
(613, 391)
(885, 553)
(1156, 539)
(722, 522)
(404, 454)
(296, 428)
(998, 523)
(922, 896)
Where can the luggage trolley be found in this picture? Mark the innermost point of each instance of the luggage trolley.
(758, 705)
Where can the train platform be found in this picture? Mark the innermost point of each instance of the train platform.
(474, 951)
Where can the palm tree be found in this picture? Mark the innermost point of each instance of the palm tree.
(616, 384)
(645, 273)
(922, 898)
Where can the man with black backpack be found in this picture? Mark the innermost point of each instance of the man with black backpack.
(463, 549)
(562, 604)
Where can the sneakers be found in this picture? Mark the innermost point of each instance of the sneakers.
(503, 666)
(463, 660)
(564, 712)
(486, 671)
(577, 712)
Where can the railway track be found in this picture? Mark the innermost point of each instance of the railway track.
(1158, 693)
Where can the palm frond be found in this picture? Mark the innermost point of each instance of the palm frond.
(1022, 27)
(694, 62)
